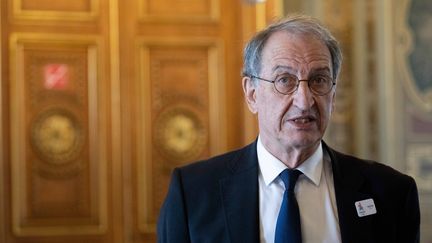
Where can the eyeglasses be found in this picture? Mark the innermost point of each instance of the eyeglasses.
(287, 83)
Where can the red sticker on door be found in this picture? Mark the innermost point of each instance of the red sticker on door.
(56, 76)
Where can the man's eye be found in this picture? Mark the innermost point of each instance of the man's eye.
(283, 80)
(320, 80)
(286, 79)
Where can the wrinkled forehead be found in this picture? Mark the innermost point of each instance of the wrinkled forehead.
(298, 49)
(295, 39)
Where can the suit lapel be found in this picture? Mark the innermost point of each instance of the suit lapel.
(350, 187)
(239, 193)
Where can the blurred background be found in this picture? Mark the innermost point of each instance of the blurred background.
(101, 99)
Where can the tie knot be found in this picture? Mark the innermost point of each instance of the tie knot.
(289, 178)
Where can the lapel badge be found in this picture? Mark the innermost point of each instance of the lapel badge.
(365, 207)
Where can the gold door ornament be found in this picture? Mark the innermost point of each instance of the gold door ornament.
(57, 136)
(180, 134)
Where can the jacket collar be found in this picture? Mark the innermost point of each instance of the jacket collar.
(349, 184)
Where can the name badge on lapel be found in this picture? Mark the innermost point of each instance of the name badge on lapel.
(365, 207)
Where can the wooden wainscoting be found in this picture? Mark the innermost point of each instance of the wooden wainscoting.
(101, 99)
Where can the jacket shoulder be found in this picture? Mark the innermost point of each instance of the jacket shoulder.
(218, 166)
(378, 174)
(368, 166)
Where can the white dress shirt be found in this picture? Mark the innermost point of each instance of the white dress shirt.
(314, 193)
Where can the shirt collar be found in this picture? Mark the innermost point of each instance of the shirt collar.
(271, 167)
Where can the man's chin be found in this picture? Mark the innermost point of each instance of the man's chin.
(303, 142)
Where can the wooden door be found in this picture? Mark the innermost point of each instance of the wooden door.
(101, 99)
(180, 61)
(57, 130)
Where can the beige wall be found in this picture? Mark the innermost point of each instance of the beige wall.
(381, 114)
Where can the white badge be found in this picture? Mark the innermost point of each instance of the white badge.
(365, 207)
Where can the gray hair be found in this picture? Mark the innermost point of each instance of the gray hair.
(297, 25)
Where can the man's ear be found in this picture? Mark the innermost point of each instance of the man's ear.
(249, 90)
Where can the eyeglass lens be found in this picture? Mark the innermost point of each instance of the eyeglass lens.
(288, 83)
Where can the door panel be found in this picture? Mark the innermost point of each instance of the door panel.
(179, 119)
(57, 184)
(176, 56)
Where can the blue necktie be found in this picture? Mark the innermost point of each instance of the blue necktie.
(288, 229)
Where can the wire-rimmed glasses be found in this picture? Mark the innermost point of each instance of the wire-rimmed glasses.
(288, 83)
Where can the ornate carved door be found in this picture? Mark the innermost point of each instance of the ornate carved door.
(57, 131)
(180, 63)
(100, 99)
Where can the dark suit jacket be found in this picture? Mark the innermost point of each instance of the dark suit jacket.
(216, 200)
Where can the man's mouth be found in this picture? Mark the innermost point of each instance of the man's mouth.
(302, 120)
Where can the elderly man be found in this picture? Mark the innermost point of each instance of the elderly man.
(289, 186)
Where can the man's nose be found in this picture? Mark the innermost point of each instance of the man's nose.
(303, 96)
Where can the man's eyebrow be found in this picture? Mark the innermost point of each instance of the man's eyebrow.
(291, 69)
(321, 69)
(280, 67)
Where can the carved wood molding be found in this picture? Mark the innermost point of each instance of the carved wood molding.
(196, 11)
(42, 12)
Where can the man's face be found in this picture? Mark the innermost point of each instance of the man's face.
(298, 120)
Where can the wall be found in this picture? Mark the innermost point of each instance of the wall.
(384, 105)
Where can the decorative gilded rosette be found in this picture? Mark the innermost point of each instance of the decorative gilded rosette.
(57, 136)
(179, 133)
